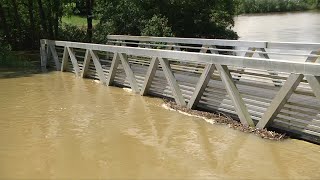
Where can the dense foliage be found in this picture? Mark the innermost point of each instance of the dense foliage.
(4, 46)
(24, 22)
(183, 18)
(264, 6)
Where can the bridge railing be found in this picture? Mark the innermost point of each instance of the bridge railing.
(301, 52)
(263, 49)
(204, 80)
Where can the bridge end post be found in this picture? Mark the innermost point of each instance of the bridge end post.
(43, 54)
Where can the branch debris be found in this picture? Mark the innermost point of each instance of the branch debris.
(220, 118)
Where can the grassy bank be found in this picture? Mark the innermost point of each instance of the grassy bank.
(77, 21)
(21, 59)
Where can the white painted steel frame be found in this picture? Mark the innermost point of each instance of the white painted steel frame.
(297, 69)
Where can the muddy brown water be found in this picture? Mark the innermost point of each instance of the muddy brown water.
(55, 126)
(285, 27)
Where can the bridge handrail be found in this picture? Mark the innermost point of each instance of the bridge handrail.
(199, 41)
(221, 42)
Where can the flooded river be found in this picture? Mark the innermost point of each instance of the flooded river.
(54, 125)
(287, 27)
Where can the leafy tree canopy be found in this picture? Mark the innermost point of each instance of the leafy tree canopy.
(182, 18)
(24, 22)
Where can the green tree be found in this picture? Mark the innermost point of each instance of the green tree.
(24, 22)
(89, 5)
(157, 26)
(183, 18)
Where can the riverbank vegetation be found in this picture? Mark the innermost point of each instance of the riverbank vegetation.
(24, 22)
(266, 6)
(21, 59)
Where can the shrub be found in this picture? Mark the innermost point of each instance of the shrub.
(157, 26)
(72, 33)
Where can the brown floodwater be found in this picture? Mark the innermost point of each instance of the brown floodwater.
(55, 126)
(285, 27)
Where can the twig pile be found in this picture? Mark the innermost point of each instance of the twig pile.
(220, 118)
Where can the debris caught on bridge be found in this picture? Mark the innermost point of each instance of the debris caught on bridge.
(219, 118)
